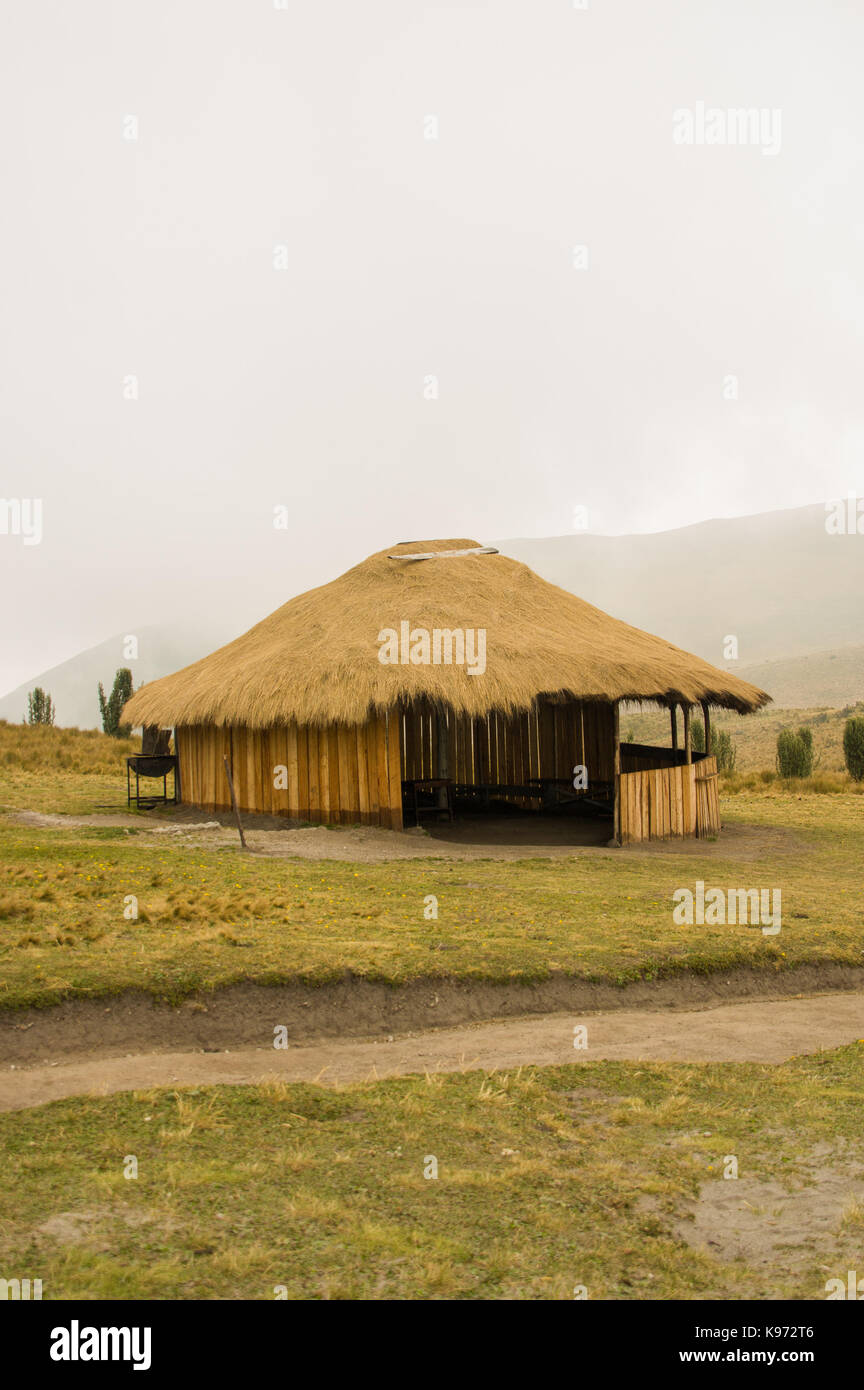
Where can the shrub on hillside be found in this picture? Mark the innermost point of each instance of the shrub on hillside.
(722, 746)
(795, 753)
(112, 708)
(853, 748)
(40, 707)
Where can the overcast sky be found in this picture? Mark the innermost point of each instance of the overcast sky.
(283, 260)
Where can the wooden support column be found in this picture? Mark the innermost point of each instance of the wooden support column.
(443, 758)
(673, 716)
(706, 720)
(616, 777)
(688, 746)
(178, 781)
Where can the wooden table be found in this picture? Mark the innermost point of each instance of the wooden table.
(414, 787)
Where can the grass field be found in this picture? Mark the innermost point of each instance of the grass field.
(68, 771)
(209, 918)
(548, 1180)
(213, 918)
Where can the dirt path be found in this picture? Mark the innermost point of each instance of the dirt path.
(498, 837)
(756, 1031)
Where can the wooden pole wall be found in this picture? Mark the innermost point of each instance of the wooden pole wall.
(339, 774)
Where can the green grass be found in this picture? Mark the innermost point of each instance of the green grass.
(42, 748)
(210, 918)
(547, 1180)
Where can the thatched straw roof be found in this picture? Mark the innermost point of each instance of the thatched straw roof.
(316, 659)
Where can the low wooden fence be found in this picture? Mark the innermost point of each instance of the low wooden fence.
(658, 803)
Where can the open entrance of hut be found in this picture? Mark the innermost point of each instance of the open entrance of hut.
(556, 773)
(553, 762)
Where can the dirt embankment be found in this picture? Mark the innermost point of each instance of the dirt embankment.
(246, 1015)
(757, 1030)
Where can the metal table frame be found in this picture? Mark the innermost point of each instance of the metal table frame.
(132, 765)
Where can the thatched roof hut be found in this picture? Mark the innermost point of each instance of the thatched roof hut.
(455, 666)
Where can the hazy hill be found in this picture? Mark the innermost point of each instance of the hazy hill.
(816, 679)
(778, 582)
(73, 684)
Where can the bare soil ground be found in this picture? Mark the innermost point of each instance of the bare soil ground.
(753, 1031)
(475, 837)
(755, 1221)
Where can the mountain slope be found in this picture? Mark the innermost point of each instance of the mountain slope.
(816, 679)
(778, 582)
(73, 684)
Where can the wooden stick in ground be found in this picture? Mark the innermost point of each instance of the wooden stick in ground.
(688, 746)
(234, 801)
(673, 715)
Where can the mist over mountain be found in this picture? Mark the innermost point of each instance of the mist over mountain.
(833, 678)
(73, 685)
(778, 582)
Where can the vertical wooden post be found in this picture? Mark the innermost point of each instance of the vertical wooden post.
(616, 763)
(688, 747)
(234, 800)
(178, 783)
(394, 768)
(443, 757)
(673, 714)
(706, 720)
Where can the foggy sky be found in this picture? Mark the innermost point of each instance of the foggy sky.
(303, 128)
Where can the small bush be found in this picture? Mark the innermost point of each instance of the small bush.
(722, 746)
(795, 753)
(853, 748)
